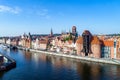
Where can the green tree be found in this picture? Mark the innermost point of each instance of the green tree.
(68, 38)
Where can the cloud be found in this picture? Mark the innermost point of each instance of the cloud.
(47, 16)
(60, 13)
(14, 10)
(43, 13)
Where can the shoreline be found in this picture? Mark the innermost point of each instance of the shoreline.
(97, 60)
(90, 59)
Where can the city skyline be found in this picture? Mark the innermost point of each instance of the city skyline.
(38, 17)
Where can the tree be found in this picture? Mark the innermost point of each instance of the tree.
(68, 38)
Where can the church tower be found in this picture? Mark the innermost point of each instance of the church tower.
(74, 31)
(51, 32)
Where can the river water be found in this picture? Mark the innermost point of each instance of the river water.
(40, 66)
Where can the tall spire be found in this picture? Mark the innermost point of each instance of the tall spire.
(29, 35)
(51, 33)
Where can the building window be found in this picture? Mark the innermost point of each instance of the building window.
(86, 44)
(105, 52)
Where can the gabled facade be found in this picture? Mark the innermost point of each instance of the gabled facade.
(26, 41)
(88, 45)
(98, 47)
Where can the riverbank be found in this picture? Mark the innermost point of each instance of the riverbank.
(98, 60)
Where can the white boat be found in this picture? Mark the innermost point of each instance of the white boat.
(4, 47)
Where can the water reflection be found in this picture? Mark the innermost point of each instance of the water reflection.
(27, 55)
(39, 66)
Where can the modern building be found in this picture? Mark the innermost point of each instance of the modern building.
(107, 49)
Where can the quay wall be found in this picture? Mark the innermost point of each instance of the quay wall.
(99, 60)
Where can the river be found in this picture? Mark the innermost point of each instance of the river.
(40, 66)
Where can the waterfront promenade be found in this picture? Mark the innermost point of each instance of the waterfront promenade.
(99, 60)
(90, 59)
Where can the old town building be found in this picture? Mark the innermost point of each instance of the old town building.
(98, 47)
(40, 43)
(111, 48)
(14, 42)
(73, 35)
(26, 41)
(117, 44)
(43, 44)
(88, 45)
(3, 40)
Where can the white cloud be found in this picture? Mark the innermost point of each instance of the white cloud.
(48, 17)
(43, 13)
(14, 10)
(60, 13)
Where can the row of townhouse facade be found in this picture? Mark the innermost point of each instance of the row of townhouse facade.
(70, 43)
(26, 41)
(59, 45)
(98, 47)
(37, 43)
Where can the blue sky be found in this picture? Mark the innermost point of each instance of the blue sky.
(39, 16)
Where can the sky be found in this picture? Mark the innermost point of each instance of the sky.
(39, 16)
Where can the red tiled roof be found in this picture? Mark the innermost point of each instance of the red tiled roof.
(109, 43)
(79, 40)
(95, 40)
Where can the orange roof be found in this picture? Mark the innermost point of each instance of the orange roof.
(108, 43)
(95, 40)
(70, 41)
(43, 41)
(79, 40)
